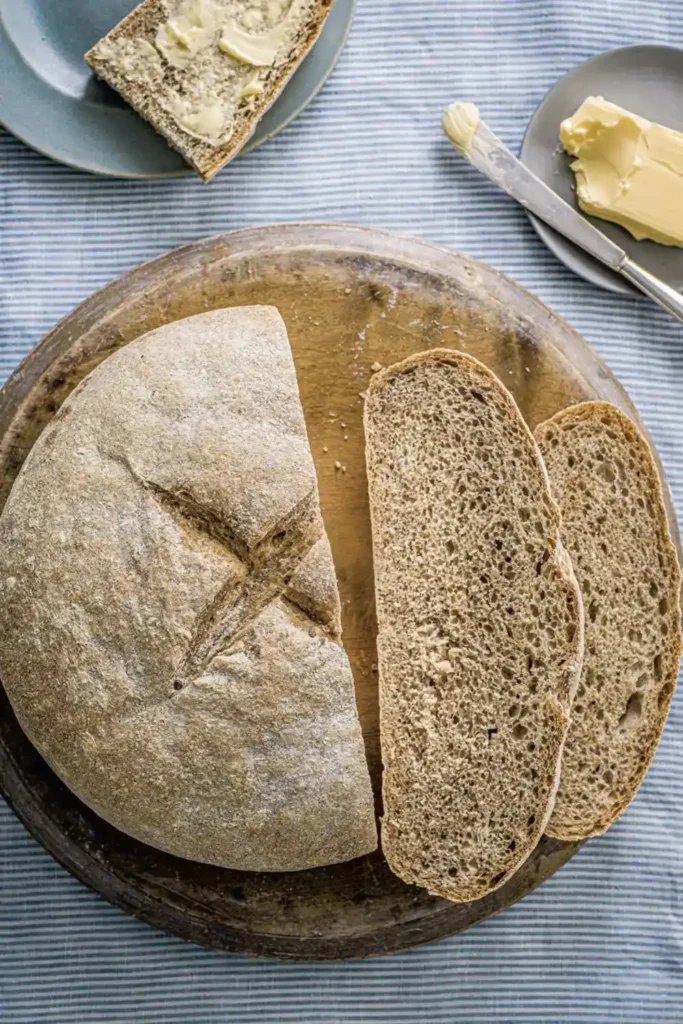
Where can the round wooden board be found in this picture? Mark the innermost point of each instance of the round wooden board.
(351, 297)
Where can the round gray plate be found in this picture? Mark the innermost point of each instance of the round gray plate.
(647, 80)
(50, 99)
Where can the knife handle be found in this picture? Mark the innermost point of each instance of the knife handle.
(661, 293)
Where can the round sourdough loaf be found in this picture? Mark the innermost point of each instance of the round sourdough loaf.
(169, 611)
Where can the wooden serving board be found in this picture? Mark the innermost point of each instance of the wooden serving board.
(351, 297)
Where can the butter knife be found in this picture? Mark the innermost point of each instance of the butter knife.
(475, 141)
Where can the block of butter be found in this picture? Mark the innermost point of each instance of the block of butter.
(628, 170)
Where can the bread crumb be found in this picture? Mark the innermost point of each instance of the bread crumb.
(325, 449)
(347, 291)
(343, 469)
(527, 369)
(376, 367)
(332, 414)
(337, 465)
(342, 424)
(363, 395)
(346, 437)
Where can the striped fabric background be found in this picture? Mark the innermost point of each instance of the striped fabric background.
(603, 939)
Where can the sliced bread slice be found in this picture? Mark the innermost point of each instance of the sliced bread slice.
(614, 526)
(204, 72)
(479, 619)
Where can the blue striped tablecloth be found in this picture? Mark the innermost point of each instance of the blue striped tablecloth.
(603, 939)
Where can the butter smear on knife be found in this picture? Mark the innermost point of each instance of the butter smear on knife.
(460, 123)
(628, 170)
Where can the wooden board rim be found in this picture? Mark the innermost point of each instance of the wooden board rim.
(374, 244)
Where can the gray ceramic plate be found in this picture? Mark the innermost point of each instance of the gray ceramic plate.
(50, 99)
(645, 79)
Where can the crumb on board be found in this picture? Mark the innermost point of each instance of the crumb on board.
(331, 414)
(376, 367)
(363, 395)
(347, 291)
(342, 424)
(325, 449)
(346, 437)
(343, 469)
(337, 465)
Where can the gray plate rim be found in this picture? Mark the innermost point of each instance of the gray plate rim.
(253, 143)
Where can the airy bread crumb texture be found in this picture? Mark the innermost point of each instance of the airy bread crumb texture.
(480, 624)
(614, 526)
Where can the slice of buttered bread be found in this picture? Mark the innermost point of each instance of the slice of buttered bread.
(480, 624)
(204, 72)
(614, 526)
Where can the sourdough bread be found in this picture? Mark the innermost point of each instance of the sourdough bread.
(168, 606)
(479, 619)
(615, 529)
(204, 72)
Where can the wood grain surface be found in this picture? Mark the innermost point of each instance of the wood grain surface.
(352, 298)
